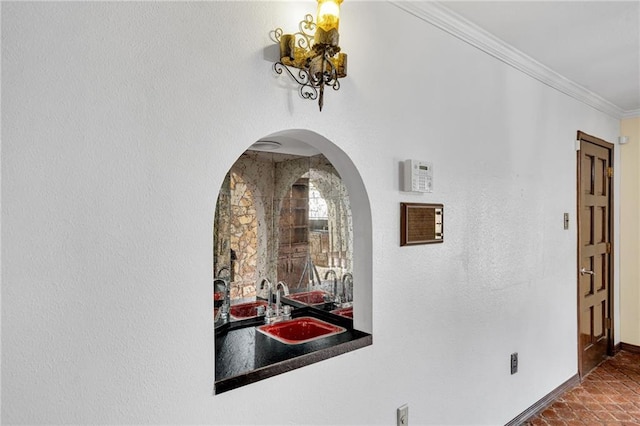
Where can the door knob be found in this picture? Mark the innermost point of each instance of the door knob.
(585, 271)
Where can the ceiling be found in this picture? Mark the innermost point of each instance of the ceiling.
(595, 44)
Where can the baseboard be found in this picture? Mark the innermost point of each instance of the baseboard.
(629, 347)
(545, 401)
(616, 348)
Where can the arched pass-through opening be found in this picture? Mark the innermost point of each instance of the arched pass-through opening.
(361, 209)
(277, 331)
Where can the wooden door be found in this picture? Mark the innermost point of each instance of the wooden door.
(594, 251)
(294, 234)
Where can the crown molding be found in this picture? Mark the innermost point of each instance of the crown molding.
(632, 113)
(454, 24)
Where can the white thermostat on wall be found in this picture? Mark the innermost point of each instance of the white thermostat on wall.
(418, 176)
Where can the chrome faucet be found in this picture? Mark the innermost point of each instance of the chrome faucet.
(269, 315)
(226, 304)
(335, 284)
(269, 289)
(222, 269)
(285, 289)
(278, 303)
(280, 286)
(280, 312)
(347, 278)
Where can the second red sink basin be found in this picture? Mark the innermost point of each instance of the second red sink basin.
(246, 310)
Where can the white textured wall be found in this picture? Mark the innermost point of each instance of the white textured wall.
(119, 122)
(630, 236)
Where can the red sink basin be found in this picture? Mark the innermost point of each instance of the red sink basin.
(300, 330)
(246, 310)
(345, 312)
(315, 297)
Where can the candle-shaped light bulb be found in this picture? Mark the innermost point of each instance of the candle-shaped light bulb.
(328, 14)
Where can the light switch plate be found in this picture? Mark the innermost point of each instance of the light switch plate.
(403, 415)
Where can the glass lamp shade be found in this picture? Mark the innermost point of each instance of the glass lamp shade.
(328, 14)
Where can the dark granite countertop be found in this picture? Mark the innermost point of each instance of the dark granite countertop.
(245, 355)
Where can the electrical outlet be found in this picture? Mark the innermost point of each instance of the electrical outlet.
(514, 363)
(403, 415)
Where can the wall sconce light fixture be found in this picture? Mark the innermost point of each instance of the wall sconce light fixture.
(314, 51)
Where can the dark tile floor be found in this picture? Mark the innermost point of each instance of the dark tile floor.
(609, 395)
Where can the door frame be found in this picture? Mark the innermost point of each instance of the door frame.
(581, 136)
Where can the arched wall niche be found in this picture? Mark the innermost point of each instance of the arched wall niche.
(302, 140)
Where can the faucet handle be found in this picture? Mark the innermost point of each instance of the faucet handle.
(286, 312)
